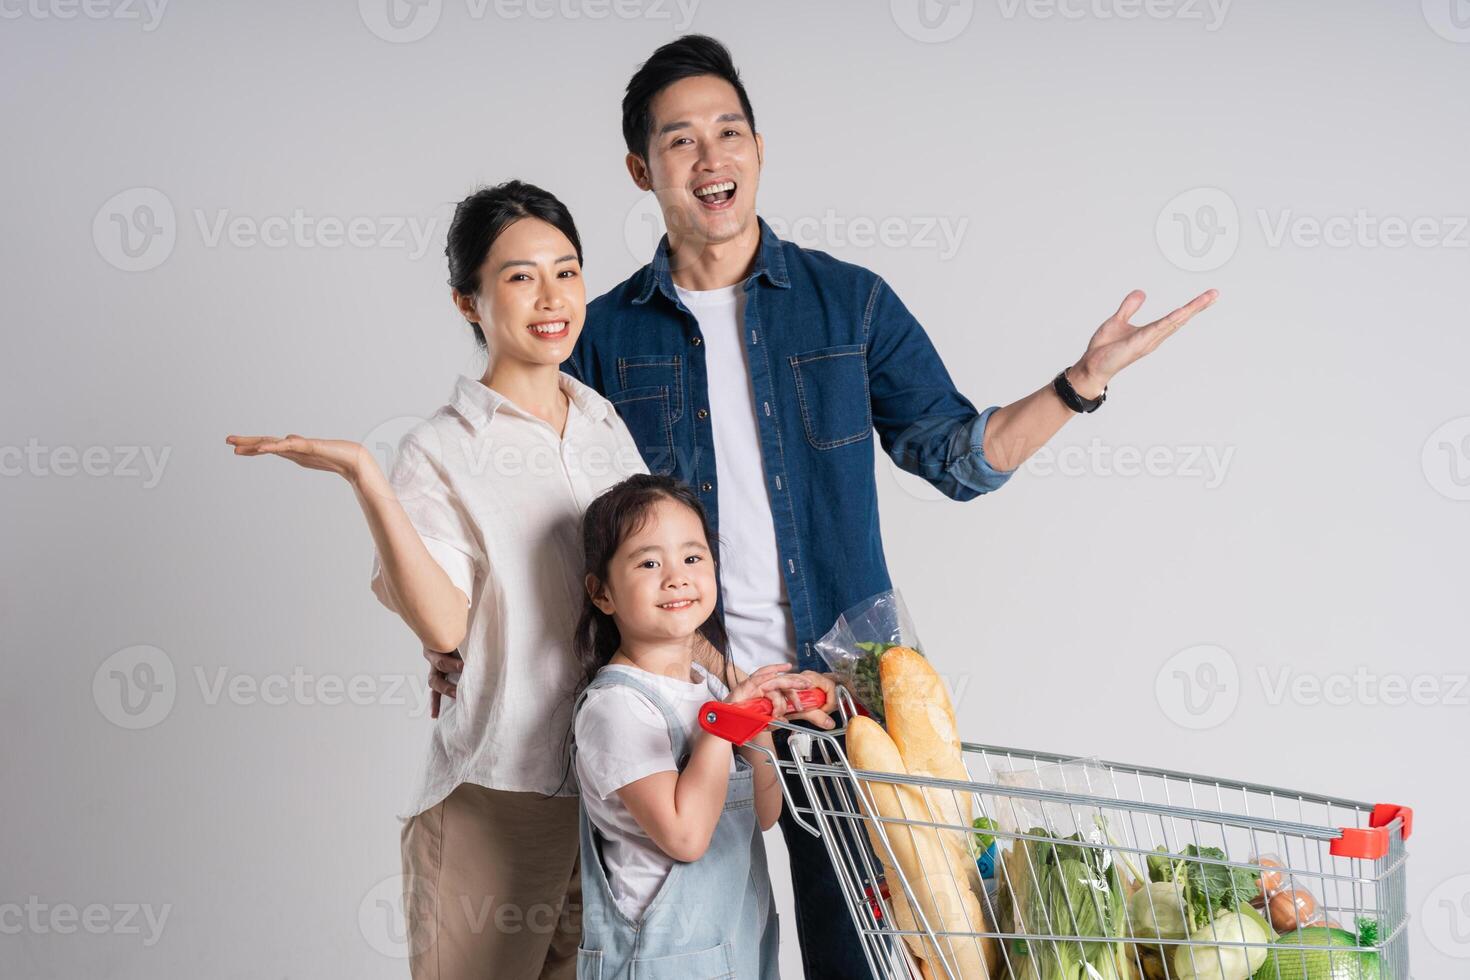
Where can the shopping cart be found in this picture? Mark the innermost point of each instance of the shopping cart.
(1058, 820)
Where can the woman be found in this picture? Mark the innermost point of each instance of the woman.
(478, 549)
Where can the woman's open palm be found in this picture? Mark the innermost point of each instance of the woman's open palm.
(341, 456)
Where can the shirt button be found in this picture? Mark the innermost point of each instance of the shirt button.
(706, 487)
(702, 414)
(697, 341)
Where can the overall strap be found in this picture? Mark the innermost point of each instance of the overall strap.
(678, 727)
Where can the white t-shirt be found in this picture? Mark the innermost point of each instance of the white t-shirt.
(622, 736)
(757, 607)
(497, 497)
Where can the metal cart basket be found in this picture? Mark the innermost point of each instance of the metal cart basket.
(1091, 859)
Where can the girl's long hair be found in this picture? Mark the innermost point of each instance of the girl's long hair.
(619, 512)
(616, 513)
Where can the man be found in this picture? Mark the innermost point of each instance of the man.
(757, 372)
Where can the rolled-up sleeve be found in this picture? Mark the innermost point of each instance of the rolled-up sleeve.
(924, 424)
(437, 513)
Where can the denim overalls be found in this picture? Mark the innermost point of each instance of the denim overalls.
(705, 922)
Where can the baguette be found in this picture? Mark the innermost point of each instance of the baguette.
(921, 721)
(920, 856)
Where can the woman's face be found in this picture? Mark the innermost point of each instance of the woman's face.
(531, 301)
(661, 582)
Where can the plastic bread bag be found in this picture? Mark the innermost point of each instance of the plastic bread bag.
(853, 645)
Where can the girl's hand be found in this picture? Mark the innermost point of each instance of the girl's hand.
(770, 682)
(820, 717)
(341, 456)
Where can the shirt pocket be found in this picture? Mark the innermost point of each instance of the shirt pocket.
(645, 411)
(832, 389)
(656, 370)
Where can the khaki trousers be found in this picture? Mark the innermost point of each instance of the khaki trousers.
(492, 887)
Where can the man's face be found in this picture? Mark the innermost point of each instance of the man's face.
(703, 162)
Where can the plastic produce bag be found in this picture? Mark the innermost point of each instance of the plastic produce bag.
(853, 645)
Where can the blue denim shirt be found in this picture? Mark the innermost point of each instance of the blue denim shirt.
(833, 355)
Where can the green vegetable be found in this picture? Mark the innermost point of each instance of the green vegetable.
(1208, 888)
(869, 688)
(1069, 888)
(983, 840)
(1202, 960)
(1333, 962)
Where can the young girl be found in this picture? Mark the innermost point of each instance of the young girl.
(674, 880)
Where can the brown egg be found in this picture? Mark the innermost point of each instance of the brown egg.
(1291, 909)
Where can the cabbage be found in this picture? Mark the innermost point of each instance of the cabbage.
(1157, 911)
(1203, 961)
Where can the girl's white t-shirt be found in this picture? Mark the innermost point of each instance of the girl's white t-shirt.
(621, 737)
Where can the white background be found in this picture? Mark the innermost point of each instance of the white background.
(1064, 147)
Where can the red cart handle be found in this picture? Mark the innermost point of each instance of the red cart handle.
(743, 720)
(1371, 842)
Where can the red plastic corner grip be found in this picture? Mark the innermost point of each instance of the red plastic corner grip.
(1371, 843)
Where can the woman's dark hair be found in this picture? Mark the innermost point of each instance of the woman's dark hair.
(618, 512)
(686, 57)
(480, 218)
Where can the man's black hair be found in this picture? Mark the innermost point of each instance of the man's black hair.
(687, 57)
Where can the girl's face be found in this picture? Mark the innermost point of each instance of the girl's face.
(661, 581)
(531, 302)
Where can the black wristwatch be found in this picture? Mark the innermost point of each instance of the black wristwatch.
(1073, 400)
